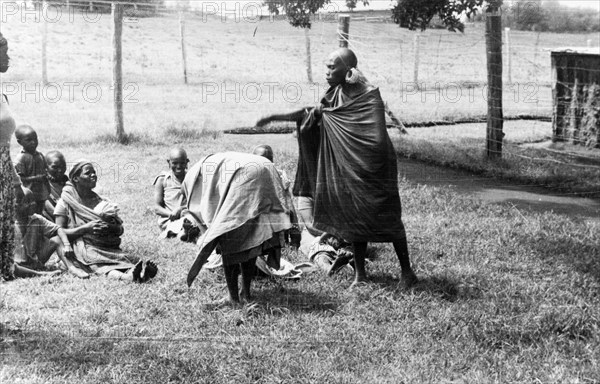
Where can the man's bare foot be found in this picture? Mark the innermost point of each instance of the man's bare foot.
(359, 281)
(224, 302)
(78, 273)
(409, 278)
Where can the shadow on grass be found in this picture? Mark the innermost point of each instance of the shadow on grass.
(281, 300)
(443, 287)
(582, 256)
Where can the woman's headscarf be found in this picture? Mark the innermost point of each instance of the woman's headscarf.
(76, 169)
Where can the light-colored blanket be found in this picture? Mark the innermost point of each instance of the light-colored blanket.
(235, 193)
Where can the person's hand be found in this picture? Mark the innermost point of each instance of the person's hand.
(176, 214)
(96, 227)
(263, 121)
(69, 252)
(19, 193)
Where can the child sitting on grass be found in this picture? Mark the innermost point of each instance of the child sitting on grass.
(39, 239)
(57, 166)
(330, 253)
(31, 166)
(169, 202)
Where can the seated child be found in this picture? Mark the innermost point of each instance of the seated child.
(31, 166)
(57, 166)
(169, 202)
(37, 239)
(292, 236)
(330, 253)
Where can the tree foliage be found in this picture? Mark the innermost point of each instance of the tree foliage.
(417, 14)
(351, 4)
(411, 14)
(299, 12)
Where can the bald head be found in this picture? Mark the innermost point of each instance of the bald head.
(264, 151)
(178, 162)
(178, 153)
(346, 57)
(23, 131)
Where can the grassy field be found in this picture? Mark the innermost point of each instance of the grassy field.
(506, 296)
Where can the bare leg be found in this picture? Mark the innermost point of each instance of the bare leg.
(55, 244)
(360, 274)
(231, 277)
(26, 272)
(118, 275)
(408, 276)
(248, 271)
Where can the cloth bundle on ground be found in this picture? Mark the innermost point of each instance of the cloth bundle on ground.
(100, 254)
(240, 199)
(356, 195)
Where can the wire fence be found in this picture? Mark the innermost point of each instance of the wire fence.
(241, 63)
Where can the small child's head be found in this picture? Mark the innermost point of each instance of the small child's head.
(57, 166)
(264, 151)
(331, 240)
(27, 138)
(26, 205)
(178, 161)
(109, 212)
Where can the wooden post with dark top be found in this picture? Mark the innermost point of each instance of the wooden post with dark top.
(495, 119)
(44, 43)
(183, 51)
(343, 30)
(308, 56)
(117, 13)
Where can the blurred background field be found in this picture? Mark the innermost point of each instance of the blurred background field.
(240, 70)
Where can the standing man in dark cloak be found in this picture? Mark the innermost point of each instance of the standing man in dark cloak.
(355, 193)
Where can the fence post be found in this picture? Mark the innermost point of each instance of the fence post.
(416, 48)
(183, 52)
(44, 43)
(508, 53)
(343, 30)
(117, 13)
(308, 56)
(493, 43)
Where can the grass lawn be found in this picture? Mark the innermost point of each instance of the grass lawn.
(505, 296)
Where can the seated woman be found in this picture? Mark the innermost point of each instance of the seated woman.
(95, 230)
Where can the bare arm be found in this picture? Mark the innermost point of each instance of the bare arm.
(159, 199)
(291, 116)
(74, 233)
(35, 178)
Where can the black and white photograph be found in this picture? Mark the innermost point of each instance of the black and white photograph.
(299, 191)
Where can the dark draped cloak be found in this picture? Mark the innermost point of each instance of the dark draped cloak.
(356, 192)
